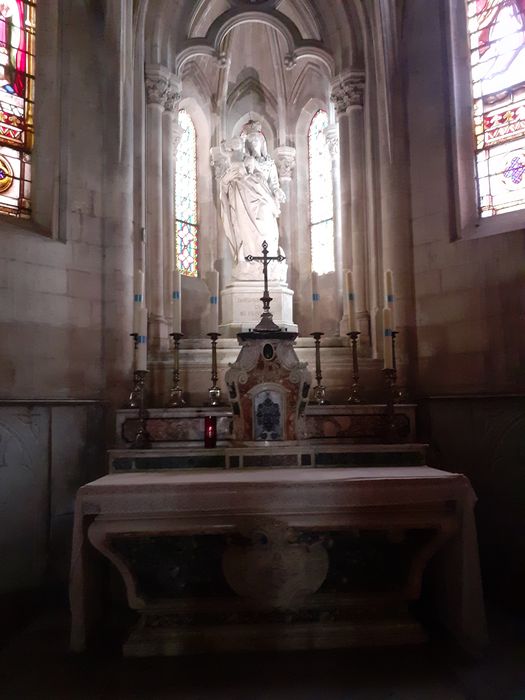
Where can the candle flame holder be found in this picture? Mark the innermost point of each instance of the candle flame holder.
(142, 439)
(214, 391)
(319, 391)
(355, 396)
(176, 400)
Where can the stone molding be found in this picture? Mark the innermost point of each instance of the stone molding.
(157, 83)
(348, 91)
(331, 134)
(219, 161)
(285, 161)
(177, 135)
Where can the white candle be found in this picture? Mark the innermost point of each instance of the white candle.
(213, 278)
(138, 298)
(316, 298)
(389, 287)
(141, 354)
(176, 295)
(387, 339)
(350, 295)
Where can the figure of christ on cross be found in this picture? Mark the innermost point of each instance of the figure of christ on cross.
(266, 323)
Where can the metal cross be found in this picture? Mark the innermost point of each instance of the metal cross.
(266, 323)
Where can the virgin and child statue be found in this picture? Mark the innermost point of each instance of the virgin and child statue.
(251, 200)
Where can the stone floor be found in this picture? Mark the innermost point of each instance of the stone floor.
(35, 663)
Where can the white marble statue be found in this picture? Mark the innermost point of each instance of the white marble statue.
(251, 201)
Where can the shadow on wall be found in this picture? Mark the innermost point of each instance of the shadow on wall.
(484, 438)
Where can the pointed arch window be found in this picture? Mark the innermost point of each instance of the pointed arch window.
(497, 49)
(17, 95)
(186, 214)
(321, 194)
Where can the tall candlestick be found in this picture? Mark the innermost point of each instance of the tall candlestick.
(141, 354)
(176, 300)
(387, 339)
(350, 295)
(213, 278)
(389, 289)
(316, 298)
(138, 298)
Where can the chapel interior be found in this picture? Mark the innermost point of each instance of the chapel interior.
(185, 480)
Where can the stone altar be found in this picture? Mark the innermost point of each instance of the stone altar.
(181, 541)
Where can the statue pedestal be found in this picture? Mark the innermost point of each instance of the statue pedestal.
(241, 306)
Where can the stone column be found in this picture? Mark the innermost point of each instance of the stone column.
(285, 162)
(157, 84)
(171, 134)
(348, 97)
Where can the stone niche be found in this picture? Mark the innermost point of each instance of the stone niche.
(268, 388)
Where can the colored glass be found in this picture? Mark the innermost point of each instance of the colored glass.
(321, 196)
(497, 48)
(17, 77)
(186, 221)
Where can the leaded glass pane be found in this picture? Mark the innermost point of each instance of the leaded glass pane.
(186, 223)
(321, 196)
(17, 70)
(497, 43)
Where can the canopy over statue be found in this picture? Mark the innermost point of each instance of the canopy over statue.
(251, 200)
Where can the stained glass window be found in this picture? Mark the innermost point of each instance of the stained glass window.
(186, 224)
(17, 88)
(497, 45)
(321, 196)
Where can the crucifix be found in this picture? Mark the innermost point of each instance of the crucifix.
(266, 323)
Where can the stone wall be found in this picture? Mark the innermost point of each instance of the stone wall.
(51, 283)
(47, 451)
(484, 438)
(470, 303)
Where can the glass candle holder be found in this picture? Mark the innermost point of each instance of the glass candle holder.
(210, 431)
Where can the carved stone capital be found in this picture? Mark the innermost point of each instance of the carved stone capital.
(348, 90)
(331, 134)
(173, 94)
(285, 161)
(157, 82)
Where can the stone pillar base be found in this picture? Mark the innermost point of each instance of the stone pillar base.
(242, 307)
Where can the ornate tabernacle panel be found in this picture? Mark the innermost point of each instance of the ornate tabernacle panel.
(268, 388)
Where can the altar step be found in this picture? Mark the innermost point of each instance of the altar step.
(319, 454)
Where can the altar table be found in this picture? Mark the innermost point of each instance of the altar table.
(306, 500)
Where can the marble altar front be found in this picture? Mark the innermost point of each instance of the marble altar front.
(193, 547)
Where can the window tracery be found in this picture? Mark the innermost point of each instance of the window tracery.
(17, 87)
(497, 48)
(321, 196)
(186, 221)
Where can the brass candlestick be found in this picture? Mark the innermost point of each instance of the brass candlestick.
(390, 430)
(134, 396)
(176, 400)
(214, 392)
(142, 439)
(355, 396)
(396, 392)
(319, 392)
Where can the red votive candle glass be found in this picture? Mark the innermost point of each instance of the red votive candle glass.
(210, 431)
